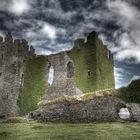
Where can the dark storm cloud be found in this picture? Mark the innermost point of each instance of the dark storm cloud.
(52, 25)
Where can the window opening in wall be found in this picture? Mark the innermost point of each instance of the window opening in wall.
(89, 73)
(49, 65)
(70, 70)
(2, 56)
(22, 79)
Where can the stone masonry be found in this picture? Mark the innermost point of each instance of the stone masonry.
(13, 54)
(63, 82)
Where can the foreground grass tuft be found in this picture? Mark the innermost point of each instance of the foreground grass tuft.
(59, 131)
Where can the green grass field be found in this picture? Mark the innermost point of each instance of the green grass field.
(58, 131)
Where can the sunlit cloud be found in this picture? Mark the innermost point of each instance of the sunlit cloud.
(49, 30)
(18, 7)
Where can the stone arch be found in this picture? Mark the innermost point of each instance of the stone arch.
(70, 69)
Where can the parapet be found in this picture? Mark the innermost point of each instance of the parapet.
(32, 50)
(20, 47)
(24, 42)
(8, 38)
(1, 39)
(92, 35)
(17, 42)
(78, 43)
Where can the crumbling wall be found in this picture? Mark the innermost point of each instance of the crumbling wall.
(61, 83)
(13, 55)
(94, 68)
(104, 67)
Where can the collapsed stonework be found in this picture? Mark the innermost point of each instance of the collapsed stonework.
(99, 108)
(13, 54)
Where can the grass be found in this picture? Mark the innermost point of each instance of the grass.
(77, 99)
(59, 131)
(130, 93)
(34, 85)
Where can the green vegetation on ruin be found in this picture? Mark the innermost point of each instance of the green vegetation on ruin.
(59, 131)
(92, 56)
(81, 78)
(128, 94)
(34, 84)
(104, 67)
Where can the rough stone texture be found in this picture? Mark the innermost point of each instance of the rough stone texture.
(13, 55)
(63, 82)
(135, 111)
(94, 66)
(97, 109)
(82, 65)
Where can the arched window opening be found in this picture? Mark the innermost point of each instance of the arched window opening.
(70, 70)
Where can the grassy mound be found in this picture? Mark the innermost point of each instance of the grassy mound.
(128, 94)
(77, 99)
(131, 93)
(34, 84)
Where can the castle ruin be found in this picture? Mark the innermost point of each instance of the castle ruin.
(86, 68)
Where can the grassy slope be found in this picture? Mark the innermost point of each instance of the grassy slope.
(34, 85)
(49, 131)
(131, 93)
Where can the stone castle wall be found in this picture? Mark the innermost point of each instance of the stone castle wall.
(94, 66)
(62, 74)
(13, 54)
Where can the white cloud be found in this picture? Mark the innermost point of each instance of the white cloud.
(49, 30)
(120, 75)
(16, 7)
(19, 6)
(55, 10)
(128, 17)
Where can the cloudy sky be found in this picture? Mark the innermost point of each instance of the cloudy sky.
(52, 25)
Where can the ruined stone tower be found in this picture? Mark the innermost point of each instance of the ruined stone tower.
(88, 66)
(94, 65)
(13, 54)
(60, 77)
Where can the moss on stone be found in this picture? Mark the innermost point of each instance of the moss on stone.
(104, 67)
(94, 70)
(34, 84)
